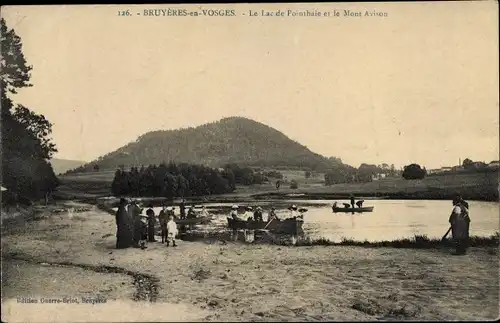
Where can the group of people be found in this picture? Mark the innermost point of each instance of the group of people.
(135, 229)
(353, 203)
(257, 215)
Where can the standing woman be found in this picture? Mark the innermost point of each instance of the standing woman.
(163, 218)
(151, 223)
(459, 220)
(134, 212)
(123, 226)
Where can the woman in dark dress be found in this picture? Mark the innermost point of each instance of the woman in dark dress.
(151, 223)
(123, 226)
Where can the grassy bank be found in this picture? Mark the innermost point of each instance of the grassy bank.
(416, 242)
(479, 186)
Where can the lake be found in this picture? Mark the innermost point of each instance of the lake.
(391, 219)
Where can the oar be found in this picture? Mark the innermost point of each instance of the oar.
(446, 234)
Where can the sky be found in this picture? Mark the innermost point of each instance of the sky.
(420, 85)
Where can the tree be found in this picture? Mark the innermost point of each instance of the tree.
(293, 184)
(182, 186)
(26, 145)
(38, 127)
(467, 163)
(14, 71)
(307, 174)
(392, 170)
(366, 172)
(413, 171)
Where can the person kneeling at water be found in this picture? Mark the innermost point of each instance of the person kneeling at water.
(360, 203)
(171, 231)
(459, 220)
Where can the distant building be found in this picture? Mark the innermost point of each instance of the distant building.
(377, 176)
(478, 165)
(494, 164)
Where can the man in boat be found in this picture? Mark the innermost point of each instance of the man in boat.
(258, 214)
(182, 208)
(360, 203)
(334, 205)
(151, 223)
(352, 201)
(272, 214)
(460, 221)
(347, 205)
(191, 213)
(234, 212)
(248, 213)
(124, 226)
(204, 212)
(293, 211)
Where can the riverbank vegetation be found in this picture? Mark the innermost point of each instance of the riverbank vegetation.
(416, 242)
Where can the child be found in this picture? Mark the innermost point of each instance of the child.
(171, 231)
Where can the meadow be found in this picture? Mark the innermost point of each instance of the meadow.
(479, 186)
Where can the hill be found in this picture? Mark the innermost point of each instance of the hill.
(63, 165)
(230, 140)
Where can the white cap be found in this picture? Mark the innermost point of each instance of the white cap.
(235, 207)
(169, 208)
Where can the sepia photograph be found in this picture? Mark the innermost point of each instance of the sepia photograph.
(250, 162)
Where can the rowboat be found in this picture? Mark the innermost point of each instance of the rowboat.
(192, 221)
(352, 209)
(286, 226)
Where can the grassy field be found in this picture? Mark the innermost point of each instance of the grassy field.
(472, 186)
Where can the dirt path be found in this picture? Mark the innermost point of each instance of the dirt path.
(234, 282)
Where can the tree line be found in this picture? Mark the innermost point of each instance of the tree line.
(183, 180)
(171, 180)
(26, 142)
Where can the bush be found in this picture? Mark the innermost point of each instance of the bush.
(414, 171)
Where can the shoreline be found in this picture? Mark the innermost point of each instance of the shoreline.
(411, 242)
(229, 198)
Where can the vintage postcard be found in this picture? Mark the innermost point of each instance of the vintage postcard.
(250, 162)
